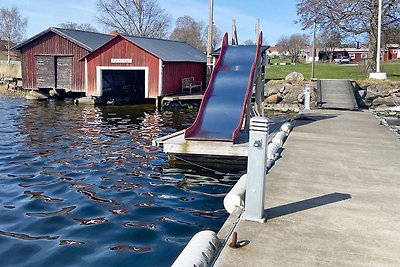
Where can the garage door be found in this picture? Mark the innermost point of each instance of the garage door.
(45, 72)
(64, 72)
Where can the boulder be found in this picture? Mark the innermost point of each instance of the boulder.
(370, 96)
(300, 97)
(294, 77)
(362, 93)
(36, 95)
(273, 91)
(88, 100)
(274, 99)
(388, 101)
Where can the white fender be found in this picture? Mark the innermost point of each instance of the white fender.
(286, 128)
(279, 138)
(200, 250)
(236, 196)
(273, 151)
(269, 163)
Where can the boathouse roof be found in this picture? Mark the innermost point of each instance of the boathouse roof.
(85, 39)
(169, 50)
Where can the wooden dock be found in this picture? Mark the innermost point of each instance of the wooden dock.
(330, 200)
(180, 98)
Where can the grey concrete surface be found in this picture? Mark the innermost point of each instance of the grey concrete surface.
(337, 94)
(332, 199)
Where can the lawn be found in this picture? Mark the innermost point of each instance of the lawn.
(330, 71)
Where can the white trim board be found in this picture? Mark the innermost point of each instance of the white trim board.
(99, 77)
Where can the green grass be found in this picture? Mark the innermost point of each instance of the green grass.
(330, 71)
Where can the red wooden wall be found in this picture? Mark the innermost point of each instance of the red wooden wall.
(174, 72)
(52, 44)
(119, 47)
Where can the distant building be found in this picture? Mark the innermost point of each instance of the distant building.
(392, 51)
(97, 64)
(52, 58)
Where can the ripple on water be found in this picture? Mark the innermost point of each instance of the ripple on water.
(82, 186)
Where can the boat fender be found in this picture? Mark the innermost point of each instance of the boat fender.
(273, 151)
(236, 196)
(286, 128)
(270, 162)
(200, 250)
(279, 138)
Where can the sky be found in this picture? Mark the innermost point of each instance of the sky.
(277, 16)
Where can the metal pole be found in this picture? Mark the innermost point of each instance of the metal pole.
(313, 53)
(307, 96)
(234, 33)
(378, 45)
(256, 169)
(210, 38)
(258, 27)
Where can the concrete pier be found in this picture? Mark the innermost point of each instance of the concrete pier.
(333, 199)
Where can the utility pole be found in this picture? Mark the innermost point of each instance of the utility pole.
(258, 27)
(313, 52)
(234, 33)
(378, 45)
(209, 39)
(378, 74)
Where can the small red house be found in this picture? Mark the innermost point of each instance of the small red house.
(52, 59)
(143, 67)
(392, 52)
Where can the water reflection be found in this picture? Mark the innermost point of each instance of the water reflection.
(86, 187)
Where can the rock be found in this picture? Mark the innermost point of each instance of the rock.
(294, 77)
(88, 100)
(300, 97)
(362, 93)
(282, 90)
(273, 91)
(370, 96)
(53, 92)
(274, 99)
(388, 101)
(36, 95)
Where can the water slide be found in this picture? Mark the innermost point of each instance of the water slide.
(222, 110)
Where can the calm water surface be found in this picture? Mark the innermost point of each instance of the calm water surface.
(82, 186)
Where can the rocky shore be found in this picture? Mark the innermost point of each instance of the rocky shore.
(287, 95)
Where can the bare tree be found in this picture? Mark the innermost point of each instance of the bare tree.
(249, 42)
(392, 36)
(12, 27)
(358, 17)
(329, 41)
(144, 18)
(189, 31)
(217, 37)
(293, 45)
(78, 26)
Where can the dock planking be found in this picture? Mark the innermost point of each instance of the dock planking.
(330, 200)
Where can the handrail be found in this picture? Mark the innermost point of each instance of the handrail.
(249, 88)
(189, 131)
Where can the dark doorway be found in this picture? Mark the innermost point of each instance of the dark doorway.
(123, 86)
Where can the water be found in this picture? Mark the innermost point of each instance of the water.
(82, 186)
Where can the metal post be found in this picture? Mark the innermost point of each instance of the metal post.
(307, 97)
(234, 33)
(209, 39)
(313, 53)
(378, 43)
(256, 169)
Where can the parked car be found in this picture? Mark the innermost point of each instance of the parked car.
(345, 60)
(342, 60)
